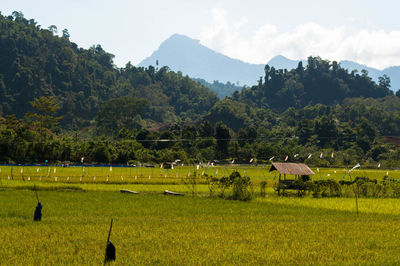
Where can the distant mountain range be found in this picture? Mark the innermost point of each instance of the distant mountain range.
(181, 53)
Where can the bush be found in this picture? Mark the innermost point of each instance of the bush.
(241, 187)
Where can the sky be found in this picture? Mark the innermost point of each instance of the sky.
(365, 31)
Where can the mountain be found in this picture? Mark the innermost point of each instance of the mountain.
(182, 53)
(281, 62)
(392, 72)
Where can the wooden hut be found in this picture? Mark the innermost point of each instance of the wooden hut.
(300, 171)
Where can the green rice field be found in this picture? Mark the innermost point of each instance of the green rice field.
(152, 228)
(90, 174)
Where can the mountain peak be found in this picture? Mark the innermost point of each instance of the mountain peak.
(180, 38)
(281, 62)
(182, 53)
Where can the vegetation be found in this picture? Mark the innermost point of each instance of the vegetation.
(221, 89)
(320, 81)
(196, 230)
(36, 62)
(60, 103)
(63, 104)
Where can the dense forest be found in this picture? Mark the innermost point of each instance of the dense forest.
(60, 102)
(36, 62)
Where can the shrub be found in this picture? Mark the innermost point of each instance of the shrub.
(241, 187)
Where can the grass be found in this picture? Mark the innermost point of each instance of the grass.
(151, 228)
(143, 175)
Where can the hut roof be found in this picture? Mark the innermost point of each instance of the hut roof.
(292, 168)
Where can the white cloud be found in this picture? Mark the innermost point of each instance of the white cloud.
(375, 48)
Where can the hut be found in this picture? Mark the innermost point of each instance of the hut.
(300, 171)
(169, 165)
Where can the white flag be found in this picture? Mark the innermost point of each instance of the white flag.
(355, 166)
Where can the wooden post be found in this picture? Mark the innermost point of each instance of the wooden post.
(355, 193)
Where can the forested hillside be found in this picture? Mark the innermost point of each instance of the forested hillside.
(60, 102)
(36, 62)
(320, 81)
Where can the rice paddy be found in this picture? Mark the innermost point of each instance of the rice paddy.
(151, 228)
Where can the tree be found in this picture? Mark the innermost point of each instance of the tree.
(384, 82)
(53, 29)
(65, 34)
(117, 113)
(17, 15)
(46, 107)
(223, 137)
(206, 129)
(326, 131)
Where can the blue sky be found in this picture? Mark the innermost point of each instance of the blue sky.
(254, 31)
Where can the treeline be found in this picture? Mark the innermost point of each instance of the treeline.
(320, 135)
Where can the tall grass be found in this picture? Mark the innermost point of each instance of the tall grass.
(157, 229)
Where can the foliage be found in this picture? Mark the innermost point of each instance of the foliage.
(45, 108)
(163, 115)
(75, 225)
(36, 62)
(221, 89)
(241, 186)
(320, 81)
